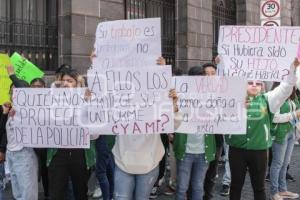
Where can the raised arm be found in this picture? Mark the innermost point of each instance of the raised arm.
(278, 96)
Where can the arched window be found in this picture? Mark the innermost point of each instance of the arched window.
(224, 13)
(30, 28)
(165, 9)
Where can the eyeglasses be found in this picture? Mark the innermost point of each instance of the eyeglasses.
(256, 83)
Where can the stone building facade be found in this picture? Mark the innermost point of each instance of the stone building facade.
(194, 32)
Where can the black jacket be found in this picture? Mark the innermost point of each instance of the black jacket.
(3, 136)
(18, 83)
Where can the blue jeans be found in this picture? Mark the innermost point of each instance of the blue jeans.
(281, 158)
(227, 174)
(23, 167)
(105, 168)
(134, 186)
(191, 166)
(2, 176)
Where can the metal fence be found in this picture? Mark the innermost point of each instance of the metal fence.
(224, 13)
(29, 27)
(165, 9)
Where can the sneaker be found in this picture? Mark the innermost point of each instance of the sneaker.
(225, 190)
(97, 193)
(267, 178)
(161, 181)
(289, 195)
(154, 193)
(290, 178)
(169, 191)
(276, 197)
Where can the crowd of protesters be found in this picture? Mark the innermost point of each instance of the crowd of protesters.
(131, 167)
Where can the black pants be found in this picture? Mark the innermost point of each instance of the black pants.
(66, 164)
(43, 169)
(162, 163)
(241, 160)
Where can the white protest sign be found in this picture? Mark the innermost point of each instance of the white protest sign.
(212, 104)
(50, 118)
(257, 52)
(127, 43)
(131, 101)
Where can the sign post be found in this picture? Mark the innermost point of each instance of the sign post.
(270, 12)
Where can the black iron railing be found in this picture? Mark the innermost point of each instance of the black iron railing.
(32, 33)
(224, 13)
(165, 9)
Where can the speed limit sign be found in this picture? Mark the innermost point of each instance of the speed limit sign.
(270, 9)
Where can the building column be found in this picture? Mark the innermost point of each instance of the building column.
(193, 33)
(78, 21)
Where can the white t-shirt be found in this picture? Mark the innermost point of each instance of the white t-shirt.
(12, 144)
(140, 154)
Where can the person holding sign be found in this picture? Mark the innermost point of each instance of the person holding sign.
(22, 161)
(3, 142)
(137, 160)
(250, 151)
(192, 152)
(283, 129)
(69, 163)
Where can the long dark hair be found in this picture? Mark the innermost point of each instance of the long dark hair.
(292, 96)
(39, 80)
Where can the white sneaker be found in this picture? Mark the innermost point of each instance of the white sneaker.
(276, 197)
(289, 195)
(97, 193)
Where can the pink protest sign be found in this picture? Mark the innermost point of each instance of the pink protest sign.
(257, 52)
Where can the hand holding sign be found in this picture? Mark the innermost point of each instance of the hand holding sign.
(296, 62)
(24, 69)
(6, 107)
(161, 61)
(10, 70)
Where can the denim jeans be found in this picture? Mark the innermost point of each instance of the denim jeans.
(191, 166)
(2, 176)
(23, 167)
(105, 168)
(281, 158)
(134, 186)
(227, 174)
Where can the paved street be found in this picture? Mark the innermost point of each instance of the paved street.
(247, 191)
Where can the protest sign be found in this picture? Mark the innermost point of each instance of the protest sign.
(298, 54)
(131, 101)
(24, 69)
(5, 81)
(50, 118)
(257, 52)
(127, 43)
(212, 105)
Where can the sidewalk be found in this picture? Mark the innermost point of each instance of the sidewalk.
(247, 191)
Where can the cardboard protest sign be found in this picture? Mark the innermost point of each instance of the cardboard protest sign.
(5, 81)
(50, 118)
(211, 104)
(24, 69)
(131, 101)
(257, 52)
(127, 43)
